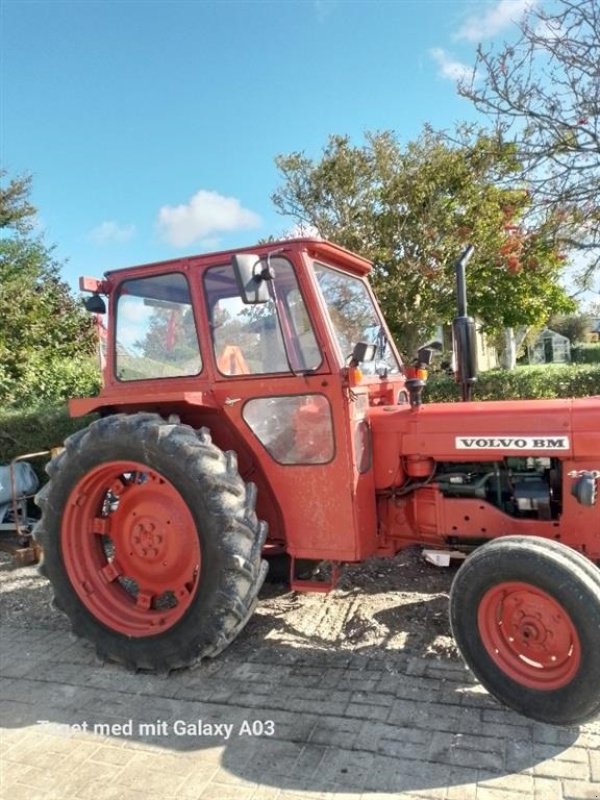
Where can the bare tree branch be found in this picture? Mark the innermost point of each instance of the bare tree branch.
(543, 94)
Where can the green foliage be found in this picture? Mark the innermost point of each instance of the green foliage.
(15, 209)
(412, 209)
(586, 354)
(47, 378)
(523, 383)
(35, 429)
(44, 328)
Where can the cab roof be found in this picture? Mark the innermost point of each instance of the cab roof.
(316, 248)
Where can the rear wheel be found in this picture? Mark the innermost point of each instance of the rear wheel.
(150, 541)
(525, 613)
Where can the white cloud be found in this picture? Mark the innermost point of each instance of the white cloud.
(302, 230)
(111, 232)
(497, 17)
(550, 30)
(205, 215)
(448, 67)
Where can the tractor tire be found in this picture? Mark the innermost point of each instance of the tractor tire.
(150, 541)
(525, 614)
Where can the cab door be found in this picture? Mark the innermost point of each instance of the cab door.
(275, 384)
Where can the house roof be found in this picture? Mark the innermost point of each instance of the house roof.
(547, 333)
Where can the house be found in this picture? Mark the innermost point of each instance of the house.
(593, 333)
(487, 355)
(550, 347)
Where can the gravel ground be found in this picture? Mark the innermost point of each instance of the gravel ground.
(383, 605)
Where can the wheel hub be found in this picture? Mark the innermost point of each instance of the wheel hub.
(147, 540)
(529, 635)
(131, 548)
(526, 622)
(531, 632)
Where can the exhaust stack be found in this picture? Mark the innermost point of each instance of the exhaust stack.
(464, 332)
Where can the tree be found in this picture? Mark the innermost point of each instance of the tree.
(43, 326)
(15, 209)
(573, 326)
(542, 93)
(593, 309)
(411, 210)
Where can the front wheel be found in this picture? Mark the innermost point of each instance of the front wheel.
(525, 614)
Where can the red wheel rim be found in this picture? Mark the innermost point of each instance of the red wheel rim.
(529, 635)
(130, 548)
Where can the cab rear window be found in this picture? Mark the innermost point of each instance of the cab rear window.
(155, 330)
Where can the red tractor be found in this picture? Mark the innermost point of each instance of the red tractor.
(254, 405)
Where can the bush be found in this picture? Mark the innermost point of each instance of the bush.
(36, 429)
(50, 380)
(522, 383)
(586, 354)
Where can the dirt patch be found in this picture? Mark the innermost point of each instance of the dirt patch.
(383, 605)
(392, 604)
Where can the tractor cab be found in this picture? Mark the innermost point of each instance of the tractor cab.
(280, 350)
(301, 308)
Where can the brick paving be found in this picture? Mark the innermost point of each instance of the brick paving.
(364, 727)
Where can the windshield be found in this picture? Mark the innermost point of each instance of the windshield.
(355, 318)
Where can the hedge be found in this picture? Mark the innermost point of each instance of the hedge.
(521, 383)
(33, 415)
(586, 354)
(49, 380)
(32, 430)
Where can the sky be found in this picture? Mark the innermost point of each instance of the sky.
(150, 128)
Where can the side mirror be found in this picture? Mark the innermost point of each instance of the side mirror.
(95, 304)
(363, 351)
(425, 355)
(251, 275)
